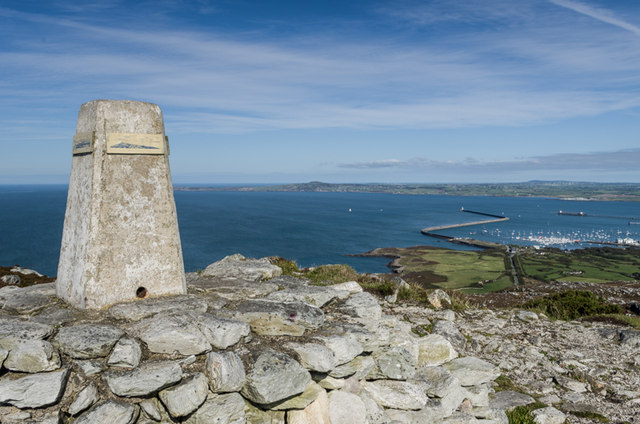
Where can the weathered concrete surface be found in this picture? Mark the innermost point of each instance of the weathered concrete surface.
(120, 229)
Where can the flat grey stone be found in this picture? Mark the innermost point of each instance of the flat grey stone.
(434, 350)
(346, 407)
(314, 295)
(135, 311)
(362, 305)
(148, 378)
(220, 409)
(268, 317)
(357, 368)
(274, 377)
(126, 354)
(234, 289)
(184, 398)
(548, 415)
(221, 333)
(314, 356)
(33, 356)
(472, 371)
(396, 394)
(300, 401)
(111, 412)
(630, 338)
(225, 372)
(90, 367)
(14, 330)
(171, 334)
(237, 266)
(87, 341)
(86, 398)
(34, 391)
(438, 382)
(58, 315)
(509, 399)
(27, 300)
(395, 362)
(345, 347)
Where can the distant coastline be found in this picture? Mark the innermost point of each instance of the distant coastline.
(565, 190)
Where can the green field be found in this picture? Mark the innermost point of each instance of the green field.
(470, 271)
(591, 265)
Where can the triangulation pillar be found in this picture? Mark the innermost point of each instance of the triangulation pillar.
(120, 240)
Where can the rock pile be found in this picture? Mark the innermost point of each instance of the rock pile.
(234, 351)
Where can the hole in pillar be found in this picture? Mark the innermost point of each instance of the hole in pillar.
(141, 293)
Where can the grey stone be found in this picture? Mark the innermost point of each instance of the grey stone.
(478, 395)
(238, 267)
(630, 338)
(344, 347)
(396, 394)
(527, 316)
(472, 371)
(126, 354)
(369, 340)
(450, 332)
(3, 355)
(434, 350)
(87, 341)
(184, 398)
(314, 295)
(358, 367)
(171, 334)
(10, 279)
(274, 377)
(33, 356)
(233, 289)
(58, 315)
(438, 382)
(111, 412)
(148, 378)
(375, 413)
(220, 409)
(255, 415)
(351, 287)
(27, 300)
(145, 308)
(426, 415)
(221, 332)
(439, 299)
(90, 367)
(35, 390)
(509, 399)
(152, 408)
(571, 384)
(224, 371)
(300, 401)
(396, 363)
(346, 408)
(14, 330)
(328, 382)
(548, 415)
(273, 318)
(362, 305)
(314, 356)
(86, 398)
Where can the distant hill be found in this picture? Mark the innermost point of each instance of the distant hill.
(559, 189)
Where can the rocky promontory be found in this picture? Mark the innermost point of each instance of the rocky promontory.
(249, 345)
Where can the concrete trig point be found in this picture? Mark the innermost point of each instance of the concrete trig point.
(120, 240)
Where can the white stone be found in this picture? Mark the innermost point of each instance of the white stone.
(111, 412)
(351, 287)
(35, 390)
(548, 415)
(171, 334)
(33, 356)
(120, 239)
(224, 371)
(186, 397)
(346, 408)
(146, 379)
(220, 409)
(397, 394)
(314, 356)
(237, 266)
(434, 350)
(126, 354)
(317, 412)
(472, 371)
(84, 400)
(344, 347)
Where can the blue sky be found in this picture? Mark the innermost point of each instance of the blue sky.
(337, 91)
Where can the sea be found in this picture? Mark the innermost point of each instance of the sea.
(315, 228)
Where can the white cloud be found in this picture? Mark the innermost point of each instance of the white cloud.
(597, 13)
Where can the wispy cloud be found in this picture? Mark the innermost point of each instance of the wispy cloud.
(600, 14)
(620, 160)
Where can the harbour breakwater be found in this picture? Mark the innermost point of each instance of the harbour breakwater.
(429, 231)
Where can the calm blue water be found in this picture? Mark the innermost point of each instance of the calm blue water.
(316, 228)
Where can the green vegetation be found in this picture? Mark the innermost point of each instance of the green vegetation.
(562, 189)
(572, 304)
(617, 319)
(596, 264)
(477, 271)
